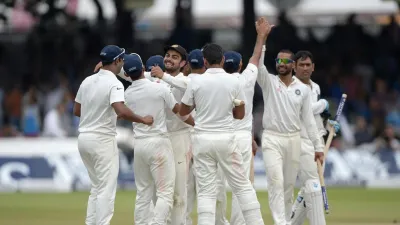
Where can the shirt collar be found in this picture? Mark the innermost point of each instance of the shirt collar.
(140, 82)
(105, 72)
(215, 70)
(236, 74)
(294, 80)
(194, 74)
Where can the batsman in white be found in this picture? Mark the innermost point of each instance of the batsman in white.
(243, 128)
(179, 131)
(196, 67)
(154, 159)
(287, 102)
(309, 201)
(212, 94)
(99, 102)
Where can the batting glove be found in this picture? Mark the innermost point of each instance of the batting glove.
(335, 125)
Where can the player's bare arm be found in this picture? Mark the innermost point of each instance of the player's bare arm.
(263, 28)
(125, 113)
(239, 111)
(77, 109)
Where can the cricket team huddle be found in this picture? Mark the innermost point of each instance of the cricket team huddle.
(192, 122)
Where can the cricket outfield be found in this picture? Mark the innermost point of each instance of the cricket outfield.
(353, 206)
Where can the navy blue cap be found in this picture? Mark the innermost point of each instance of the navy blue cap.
(232, 60)
(133, 65)
(110, 53)
(196, 59)
(155, 60)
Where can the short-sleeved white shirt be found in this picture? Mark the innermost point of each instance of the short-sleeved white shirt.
(149, 98)
(247, 80)
(96, 95)
(212, 94)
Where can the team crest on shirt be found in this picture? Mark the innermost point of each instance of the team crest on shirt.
(298, 92)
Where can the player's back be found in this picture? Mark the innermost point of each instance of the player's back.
(149, 98)
(97, 114)
(214, 93)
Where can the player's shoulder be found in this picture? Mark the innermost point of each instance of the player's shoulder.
(303, 87)
(315, 86)
(251, 68)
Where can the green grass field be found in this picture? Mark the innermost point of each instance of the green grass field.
(348, 207)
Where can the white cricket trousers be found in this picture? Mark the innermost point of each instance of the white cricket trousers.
(100, 155)
(309, 202)
(281, 154)
(181, 143)
(191, 190)
(154, 171)
(244, 141)
(211, 150)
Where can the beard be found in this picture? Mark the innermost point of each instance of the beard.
(284, 71)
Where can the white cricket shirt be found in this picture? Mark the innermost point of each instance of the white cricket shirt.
(174, 123)
(317, 108)
(247, 81)
(213, 93)
(96, 94)
(286, 106)
(149, 98)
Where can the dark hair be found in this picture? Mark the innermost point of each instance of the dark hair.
(287, 51)
(231, 69)
(213, 53)
(107, 63)
(195, 66)
(303, 55)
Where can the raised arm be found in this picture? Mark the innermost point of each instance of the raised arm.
(308, 119)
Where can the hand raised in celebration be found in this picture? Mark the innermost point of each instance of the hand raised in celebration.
(263, 28)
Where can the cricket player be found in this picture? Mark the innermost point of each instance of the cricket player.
(243, 128)
(154, 160)
(214, 140)
(98, 103)
(155, 60)
(175, 59)
(196, 64)
(309, 201)
(287, 102)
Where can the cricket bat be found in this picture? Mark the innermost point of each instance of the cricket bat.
(326, 149)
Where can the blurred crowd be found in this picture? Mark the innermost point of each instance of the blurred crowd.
(40, 76)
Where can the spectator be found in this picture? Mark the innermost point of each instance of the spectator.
(8, 130)
(13, 106)
(362, 134)
(1, 106)
(388, 141)
(54, 125)
(31, 115)
(57, 95)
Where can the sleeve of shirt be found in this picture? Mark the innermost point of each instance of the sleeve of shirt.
(240, 93)
(78, 97)
(117, 93)
(318, 107)
(168, 97)
(250, 74)
(263, 77)
(121, 74)
(148, 76)
(179, 83)
(188, 97)
(307, 117)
